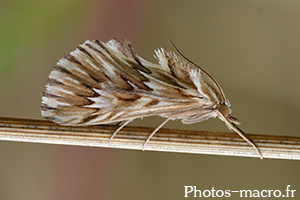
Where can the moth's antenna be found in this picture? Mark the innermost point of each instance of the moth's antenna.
(199, 68)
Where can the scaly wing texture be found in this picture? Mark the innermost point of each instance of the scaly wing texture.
(102, 83)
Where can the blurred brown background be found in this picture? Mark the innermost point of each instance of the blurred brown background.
(251, 47)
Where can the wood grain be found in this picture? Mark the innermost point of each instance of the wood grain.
(167, 140)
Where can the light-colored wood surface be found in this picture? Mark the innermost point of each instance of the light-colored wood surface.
(169, 140)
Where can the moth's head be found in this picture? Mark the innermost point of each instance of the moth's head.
(225, 110)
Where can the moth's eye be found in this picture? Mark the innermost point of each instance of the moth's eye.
(224, 110)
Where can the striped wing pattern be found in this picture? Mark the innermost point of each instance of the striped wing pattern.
(102, 83)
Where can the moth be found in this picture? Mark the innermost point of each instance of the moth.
(107, 83)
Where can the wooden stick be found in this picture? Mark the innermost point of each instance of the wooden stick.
(169, 140)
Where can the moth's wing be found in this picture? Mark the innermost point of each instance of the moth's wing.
(207, 88)
(102, 83)
(83, 75)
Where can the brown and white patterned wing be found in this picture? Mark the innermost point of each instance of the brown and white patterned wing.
(102, 83)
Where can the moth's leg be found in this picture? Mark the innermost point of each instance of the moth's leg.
(155, 130)
(120, 127)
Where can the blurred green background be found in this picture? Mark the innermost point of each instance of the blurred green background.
(252, 48)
